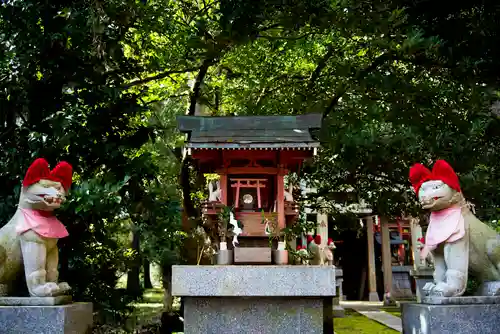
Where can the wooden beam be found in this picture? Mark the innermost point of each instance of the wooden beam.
(259, 205)
(401, 250)
(372, 277)
(386, 254)
(237, 198)
(249, 170)
(224, 188)
(280, 198)
(249, 154)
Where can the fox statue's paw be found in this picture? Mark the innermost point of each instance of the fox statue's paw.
(442, 289)
(428, 287)
(45, 290)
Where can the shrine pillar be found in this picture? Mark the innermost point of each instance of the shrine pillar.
(401, 248)
(372, 277)
(223, 186)
(322, 229)
(385, 240)
(280, 198)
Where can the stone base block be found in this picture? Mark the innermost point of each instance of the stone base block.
(451, 319)
(254, 315)
(73, 318)
(35, 301)
(461, 300)
(254, 281)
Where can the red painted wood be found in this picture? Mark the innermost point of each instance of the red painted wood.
(401, 250)
(291, 158)
(280, 198)
(223, 186)
(259, 204)
(248, 183)
(237, 198)
(249, 154)
(250, 170)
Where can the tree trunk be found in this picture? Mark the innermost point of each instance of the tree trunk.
(147, 274)
(166, 280)
(133, 280)
(191, 214)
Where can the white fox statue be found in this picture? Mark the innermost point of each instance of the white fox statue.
(29, 240)
(457, 240)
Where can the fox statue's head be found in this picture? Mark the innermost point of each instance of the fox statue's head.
(45, 189)
(436, 190)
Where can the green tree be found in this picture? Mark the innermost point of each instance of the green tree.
(65, 94)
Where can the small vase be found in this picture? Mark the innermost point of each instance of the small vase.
(224, 256)
(280, 256)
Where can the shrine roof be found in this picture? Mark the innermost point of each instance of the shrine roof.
(257, 132)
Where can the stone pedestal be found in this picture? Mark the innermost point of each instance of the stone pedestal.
(256, 299)
(73, 318)
(457, 315)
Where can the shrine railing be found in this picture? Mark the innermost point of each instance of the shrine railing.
(291, 208)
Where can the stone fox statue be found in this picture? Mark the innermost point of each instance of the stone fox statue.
(29, 239)
(457, 240)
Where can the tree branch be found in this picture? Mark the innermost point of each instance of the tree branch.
(275, 38)
(269, 27)
(196, 91)
(321, 65)
(380, 60)
(158, 77)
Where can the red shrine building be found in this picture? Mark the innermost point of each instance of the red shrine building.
(252, 155)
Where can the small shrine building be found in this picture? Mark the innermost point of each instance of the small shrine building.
(252, 155)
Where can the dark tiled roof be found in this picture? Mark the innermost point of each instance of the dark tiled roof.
(250, 131)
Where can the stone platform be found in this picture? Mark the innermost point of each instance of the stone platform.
(458, 315)
(256, 299)
(76, 318)
(35, 301)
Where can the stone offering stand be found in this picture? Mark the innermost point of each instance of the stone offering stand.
(252, 289)
(256, 299)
